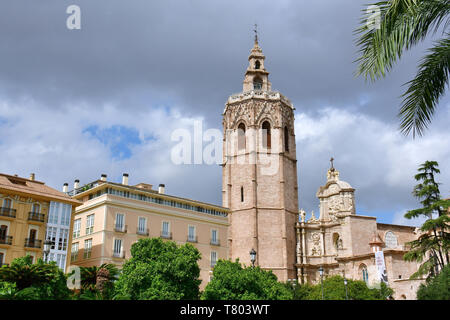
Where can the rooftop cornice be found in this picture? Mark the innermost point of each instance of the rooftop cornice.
(259, 94)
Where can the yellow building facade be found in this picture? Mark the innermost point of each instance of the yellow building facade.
(25, 205)
(113, 216)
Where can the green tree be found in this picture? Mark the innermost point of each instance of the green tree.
(27, 281)
(436, 288)
(403, 24)
(233, 282)
(431, 247)
(334, 289)
(160, 270)
(299, 291)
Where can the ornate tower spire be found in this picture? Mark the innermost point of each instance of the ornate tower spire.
(256, 76)
(260, 172)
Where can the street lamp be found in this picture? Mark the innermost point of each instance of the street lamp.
(321, 278)
(345, 282)
(47, 245)
(253, 256)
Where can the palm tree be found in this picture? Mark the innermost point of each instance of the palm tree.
(403, 24)
(25, 274)
(90, 275)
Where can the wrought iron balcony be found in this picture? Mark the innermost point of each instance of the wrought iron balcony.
(144, 232)
(119, 228)
(6, 240)
(166, 235)
(120, 255)
(34, 216)
(215, 242)
(7, 212)
(192, 239)
(33, 243)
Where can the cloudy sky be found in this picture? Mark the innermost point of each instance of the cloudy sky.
(106, 98)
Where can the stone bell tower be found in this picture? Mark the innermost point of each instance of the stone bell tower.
(260, 172)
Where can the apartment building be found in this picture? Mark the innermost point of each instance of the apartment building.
(26, 205)
(113, 216)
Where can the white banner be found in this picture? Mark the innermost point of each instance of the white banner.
(381, 267)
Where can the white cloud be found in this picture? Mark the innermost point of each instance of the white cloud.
(370, 154)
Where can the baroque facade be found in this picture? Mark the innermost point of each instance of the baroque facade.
(345, 243)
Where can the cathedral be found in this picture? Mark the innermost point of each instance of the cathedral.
(260, 188)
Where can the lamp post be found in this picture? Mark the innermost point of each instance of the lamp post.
(253, 256)
(47, 246)
(345, 282)
(321, 278)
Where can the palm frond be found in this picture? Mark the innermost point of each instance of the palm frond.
(403, 23)
(425, 89)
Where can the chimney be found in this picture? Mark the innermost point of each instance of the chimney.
(161, 188)
(125, 179)
(103, 177)
(32, 176)
(76, 184)
(66, 187)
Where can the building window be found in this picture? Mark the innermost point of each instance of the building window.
(7, 203)
(63, 235)
(120, 225)
(390, 239)
(266, 135)
(242, 194)
(90, 224)
(286, 139)
(3, 231)
(257, 64)
(87, 248)
(53, 213)
(117, 250)
(142, 226)
(213, 258)
(1, 258)
(364, 273)
(241, 137)
(67, 211)
(74, 253)
(257, 83)
(165, 229)
(76, 228)
(51, 235)
(36, 208)
(214, 237)
(191, 234)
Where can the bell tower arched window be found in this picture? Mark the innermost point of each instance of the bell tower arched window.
(286, 139)
(267, 140)
(257, 64)
(257, 83)
(241, 137)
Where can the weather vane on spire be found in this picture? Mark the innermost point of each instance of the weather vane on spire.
(256, 33)
(331, 160)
